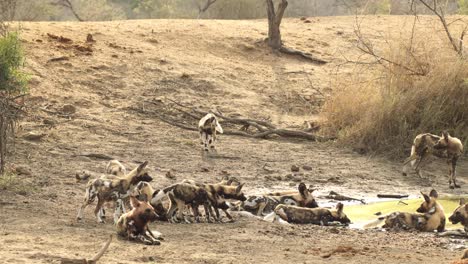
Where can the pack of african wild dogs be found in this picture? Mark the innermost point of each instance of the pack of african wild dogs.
(136, 203)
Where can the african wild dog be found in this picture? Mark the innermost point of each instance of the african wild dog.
(454, 149)
(114, 167)
(134, 224)
(112, 188)
(460, 215)
(143, 191)
(267, 203)
(422, 148)
(317, 216)
(180, 195)
(208, 127)
(429, 217)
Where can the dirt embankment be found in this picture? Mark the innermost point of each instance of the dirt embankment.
(90, 97)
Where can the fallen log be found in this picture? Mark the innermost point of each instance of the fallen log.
(338, 197)
(394, 196)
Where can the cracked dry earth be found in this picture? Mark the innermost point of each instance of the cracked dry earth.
(102, 100)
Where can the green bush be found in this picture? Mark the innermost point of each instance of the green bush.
(463, 7)
(12, 79)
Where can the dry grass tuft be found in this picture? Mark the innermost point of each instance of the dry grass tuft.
(381, 111)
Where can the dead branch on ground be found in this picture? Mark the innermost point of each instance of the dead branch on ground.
(187, 117)
(94, 260)
(338, 197)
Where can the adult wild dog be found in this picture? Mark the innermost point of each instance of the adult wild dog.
(454, 149)
(267, 203)
(317, 216)
(143, 191)
(460, 215)
(429, 217)
(208, 126)
(134, 224)
(445, 146)
(112, 188)
(114, 167)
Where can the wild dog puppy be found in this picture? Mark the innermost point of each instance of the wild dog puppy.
(143, 191)
(134, 224)
(422, 148)
(112, 188)
(208, 126)
(454, 150)
(267, 203)
(317, 216)
(114, 167)
(180, 195)
(429, 217)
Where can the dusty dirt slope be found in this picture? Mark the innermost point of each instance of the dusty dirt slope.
(208, 64)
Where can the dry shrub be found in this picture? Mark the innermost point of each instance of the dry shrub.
(382, 110)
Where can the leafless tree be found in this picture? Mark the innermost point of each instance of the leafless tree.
(68, 4)
(202, 8)
(437, 10)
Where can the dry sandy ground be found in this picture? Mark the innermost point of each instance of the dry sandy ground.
(134, 63)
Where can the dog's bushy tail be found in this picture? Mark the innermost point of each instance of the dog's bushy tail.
(374, 223)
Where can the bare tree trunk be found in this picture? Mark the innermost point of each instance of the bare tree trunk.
(274, 22)
(68, 4)
(202, 9)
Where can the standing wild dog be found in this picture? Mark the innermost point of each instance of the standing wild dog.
(317, 216)
(114, 167)
(422, 148)
(267, 203)
(108, 189)
(134, 224)
(429, 217)
(446, 147)
(208, 127)
(454, 149)
(180, 195)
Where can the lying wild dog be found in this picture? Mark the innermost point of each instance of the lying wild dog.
(267, 203)
(114, 167)
(180, 195)
(143, 191)
(429, 217)
(133, 225)
(208, 126)
(317, 216)
(454, 149)
(446, 147)
(460, 215)
(112, 188)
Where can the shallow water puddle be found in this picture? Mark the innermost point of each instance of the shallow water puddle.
(361, 214)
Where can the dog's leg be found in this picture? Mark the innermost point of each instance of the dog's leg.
(261, 207)
(228, 216)
(454, 172)
(172, 208)
(196, 213)
(90, 195)
(98, 209)
(118, 210)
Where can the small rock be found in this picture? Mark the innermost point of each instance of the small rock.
(89, 38)
(288, 176)
(279, 178)
(334, 230)
(34, 136)
(114, 56)
(294, 168)
(303, 18)
(204, 169)
(69, 109)
(307, 167)
(307, 21)
(378, 213)
(170, 175)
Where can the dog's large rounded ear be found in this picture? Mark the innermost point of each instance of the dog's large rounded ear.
(426, 198)
(302, 189)
(142, 166)
(445, 135)
(434, 194)
(239, 188)
(462, 201)
(134, 202)
(339, 207)
(229, 182)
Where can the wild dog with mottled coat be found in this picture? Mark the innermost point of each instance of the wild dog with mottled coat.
(317, 216)
(454, 149)
(134, 224)
(208, 126)
(430, 216)
(110, 189)
(114, 167)
(267, 203)
(422, 148)
(143, 191)
(460, 215)
(445, 146)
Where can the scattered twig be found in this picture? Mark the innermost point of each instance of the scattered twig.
(94, 155)
(338, 197)
(394, 196)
